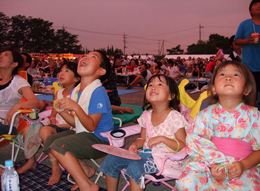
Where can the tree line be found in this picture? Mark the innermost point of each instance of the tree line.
(30, 34)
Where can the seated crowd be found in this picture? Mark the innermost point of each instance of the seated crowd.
(85, 105)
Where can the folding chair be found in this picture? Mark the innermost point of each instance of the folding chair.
(8, 138)
(100, 174)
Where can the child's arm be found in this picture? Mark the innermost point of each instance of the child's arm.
(139, 143)
(53, 113)
(247, 163)
(31, 102)
(180, 136)
(90, 122)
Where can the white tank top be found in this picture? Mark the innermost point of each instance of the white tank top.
(10, 95)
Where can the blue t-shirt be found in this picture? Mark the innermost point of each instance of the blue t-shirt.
(99, 103)
(250, 52)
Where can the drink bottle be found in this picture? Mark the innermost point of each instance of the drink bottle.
(10, 178)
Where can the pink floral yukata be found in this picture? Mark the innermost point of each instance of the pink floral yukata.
(241, 124)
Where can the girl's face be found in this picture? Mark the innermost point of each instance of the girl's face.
(90, 64)
(67, 76)
(6, 59)
(230, 81)
(133, 63)
(158, 91)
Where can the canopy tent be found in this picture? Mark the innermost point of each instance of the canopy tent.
(186, 56)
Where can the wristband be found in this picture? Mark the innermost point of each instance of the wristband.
(140, 138)
(177, 147)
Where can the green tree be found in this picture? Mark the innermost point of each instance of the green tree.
(4, 27)
(67, 42)
(176, 50)
(209, 46)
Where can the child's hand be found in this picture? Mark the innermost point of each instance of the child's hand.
(10, 114)
(133, 148)
(235, 171)
(67, 104)
(154, 141)
(218, 175)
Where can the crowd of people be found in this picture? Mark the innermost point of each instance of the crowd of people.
(225, 134)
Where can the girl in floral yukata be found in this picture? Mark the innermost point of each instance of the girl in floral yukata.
(226, 133)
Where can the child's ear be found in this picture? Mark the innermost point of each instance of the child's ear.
(247, 90)
(171, 97)
(101, 72)
(76, 79)
(213, 89)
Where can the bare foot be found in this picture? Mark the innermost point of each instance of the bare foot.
(92, 187)
(74, 187)
(30, 164)
(55, 176)
(87, 169)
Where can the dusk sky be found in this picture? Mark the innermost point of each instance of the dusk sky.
(146, 23)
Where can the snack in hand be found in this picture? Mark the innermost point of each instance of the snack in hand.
(56, 105)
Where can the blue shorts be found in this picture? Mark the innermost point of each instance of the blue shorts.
(4, 129)
(135, 169)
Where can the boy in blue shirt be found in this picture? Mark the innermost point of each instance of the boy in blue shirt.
(91, 114)
(250, 49)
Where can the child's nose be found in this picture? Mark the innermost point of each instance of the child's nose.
(228, 78)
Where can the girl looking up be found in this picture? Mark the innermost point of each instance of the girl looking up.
(68, 78)
(166, 128)
(226, 132)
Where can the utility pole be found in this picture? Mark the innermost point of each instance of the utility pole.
(159, 51)
(162, 48)
(124, 37)
(200, 27)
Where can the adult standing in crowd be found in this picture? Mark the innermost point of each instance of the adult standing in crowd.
(250, 47)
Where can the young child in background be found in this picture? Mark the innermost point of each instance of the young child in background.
(68, 78)
(91, 115)
(227, 132)
(167, 129)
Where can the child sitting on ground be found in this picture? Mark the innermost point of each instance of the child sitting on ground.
(225, 133)
(166, 127)
(92, 114)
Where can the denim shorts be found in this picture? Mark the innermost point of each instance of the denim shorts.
(135, 169)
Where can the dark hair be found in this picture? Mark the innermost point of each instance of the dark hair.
(105, 63)
(173, 88)
(16, 58)
(135, 60)
(249, 99)
(231, 40)
(218, 45)
(144, 65)
(73, 67)
(28, 57)
(252, 3)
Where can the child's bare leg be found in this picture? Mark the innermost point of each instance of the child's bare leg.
(31, 163)
(46, 131)
(89, 171)
(71, 164)
(134, 186)
(112, 183)
(55, 170)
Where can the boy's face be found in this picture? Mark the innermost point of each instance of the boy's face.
(255, 9)
(90, 65)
